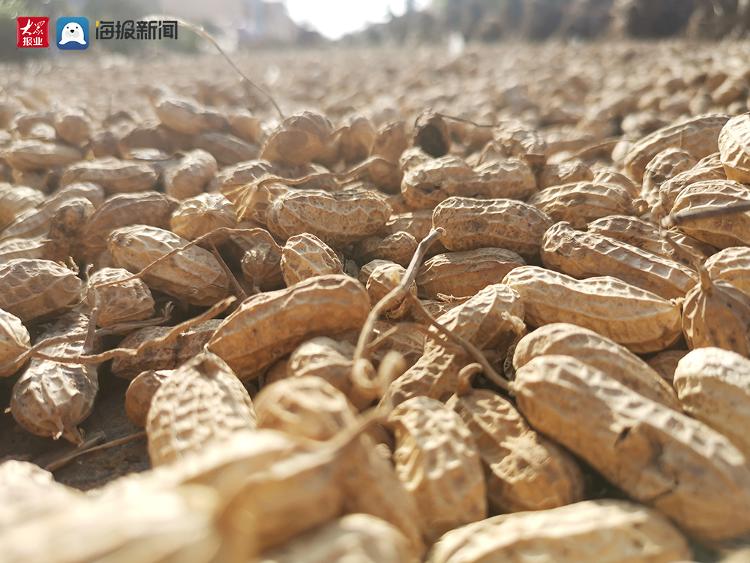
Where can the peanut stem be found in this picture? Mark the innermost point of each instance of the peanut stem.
(89, 447)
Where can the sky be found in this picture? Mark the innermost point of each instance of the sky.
(334, 18)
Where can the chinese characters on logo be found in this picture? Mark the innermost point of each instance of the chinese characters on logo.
(136, 29)
(32, 32)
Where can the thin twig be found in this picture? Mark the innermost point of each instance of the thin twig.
(198, 30)
(86, 448)
(682, 217)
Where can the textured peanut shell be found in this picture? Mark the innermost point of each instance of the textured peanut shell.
(383, 279)
(14, 200)
(582, 202)
(37, 248)
(697, 136)
(357, 537)
(406, 338)
(503, 223)
(201, 214)
(584, 255)
(224, 147)
(186, 116)
(193, 275)
(337, 218)
(398, 247)
(51, 399)
(724, 230)
(714, 386)
(27, 492)
(664, 166)
(112, 174)
(73, 126)
(524, 471)
(305, 256)
(267, 326)
(260, 260)
(709, 168)
(734, 148)
(30, 289)
(143, 208)
(463, 274)
(648, 237)
(306, 406)
(165, 356)
(715, 313)
(201, 402)
(492, 319)
(659, 457)
(591, 531)
(598, 352)
(664, 363)
(731, 265)
(14, 341)
(31, 155)
(639, 320)
(140, 393)
(168, 525)
(425, 184)
(189, 177)
(299, 139)
(439, 463)
(564, 173)
(124, 302)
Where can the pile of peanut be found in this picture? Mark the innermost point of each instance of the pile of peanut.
(505, 318)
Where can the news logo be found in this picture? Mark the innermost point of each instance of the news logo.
(32, 32)
(72, 33)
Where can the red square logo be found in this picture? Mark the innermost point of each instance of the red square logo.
(32, 32)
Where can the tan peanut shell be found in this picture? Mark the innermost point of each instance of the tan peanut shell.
(143, 208)
(112, 174)
(337, 218)
(502, 223)
(564, 173)
(186, 116)
(245, 125)
(299, 139)
(201, 402)
(124, 302)
(305, 256)
(190, 176)
(439, 463)
(171, 524)
(383, 279)
(716, 313)
(721, 231)
(584, 255)
(425, 184)
(225, 148)
(201, 214)
(260, 260)
(664, 363)
(266, 327)
(193, 275)
(14, 341)
(714, 386)
(31, 155)
(708, 168)
(524, 471)
(492, 319)
(598, 352)
(591, 531)
(734, 148)
(582, 202)
(188, 344)
(38, 221)
(647, 236)
(140, 393)
(51, 399)
(660, 457)
(406, 338)
(416, 223)
(37, 248)
(398, 247)
(27, 492)
(665, 165)
(306, 406)
(463, 274)
(73, 126)
(30, 289)
(359, 537)
(14, 200)
(731, 265)
(638, 319)
(697, 136)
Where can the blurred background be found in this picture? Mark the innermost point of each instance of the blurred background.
(244, 24)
